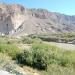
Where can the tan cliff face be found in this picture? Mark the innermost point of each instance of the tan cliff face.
(11, 17)
(15, 19)
(5, 24)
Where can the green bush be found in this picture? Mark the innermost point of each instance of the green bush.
(39, 55)
(25, 58)
(36, 57)
(42, 55)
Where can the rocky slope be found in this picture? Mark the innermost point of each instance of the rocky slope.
(17, 20)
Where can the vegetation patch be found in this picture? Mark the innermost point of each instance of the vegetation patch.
(61, 37)
(10, 49)
(30, 40)
(41, 55)
(49, 59)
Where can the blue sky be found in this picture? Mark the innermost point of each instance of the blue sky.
(61, 6)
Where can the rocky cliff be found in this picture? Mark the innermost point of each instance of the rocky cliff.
(15, 19)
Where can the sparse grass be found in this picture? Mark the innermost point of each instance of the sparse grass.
(55, 69)
(8, 46)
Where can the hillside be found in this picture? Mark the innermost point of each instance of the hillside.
(18, 20)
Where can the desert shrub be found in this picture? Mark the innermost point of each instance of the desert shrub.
(29, 40)
(36, 57)
(62, 37)
(36, 40)
(26, 40)
(48, 38)
(41, 55)
(29, 59)
(32, 36)
(25, 58)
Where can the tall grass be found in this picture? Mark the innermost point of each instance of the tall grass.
(10, 49)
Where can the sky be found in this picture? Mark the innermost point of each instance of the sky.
(62, 6)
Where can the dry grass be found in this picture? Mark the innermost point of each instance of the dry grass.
(63, 46)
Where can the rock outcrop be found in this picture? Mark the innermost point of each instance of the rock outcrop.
(17, 20)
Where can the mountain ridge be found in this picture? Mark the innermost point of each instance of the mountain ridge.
(18, 20)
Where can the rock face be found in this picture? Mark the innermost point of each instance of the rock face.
(17, 20)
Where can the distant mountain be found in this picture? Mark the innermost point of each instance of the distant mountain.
(17, 20)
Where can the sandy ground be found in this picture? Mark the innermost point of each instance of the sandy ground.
(63, 45)
(23, 46)
(5, 73)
